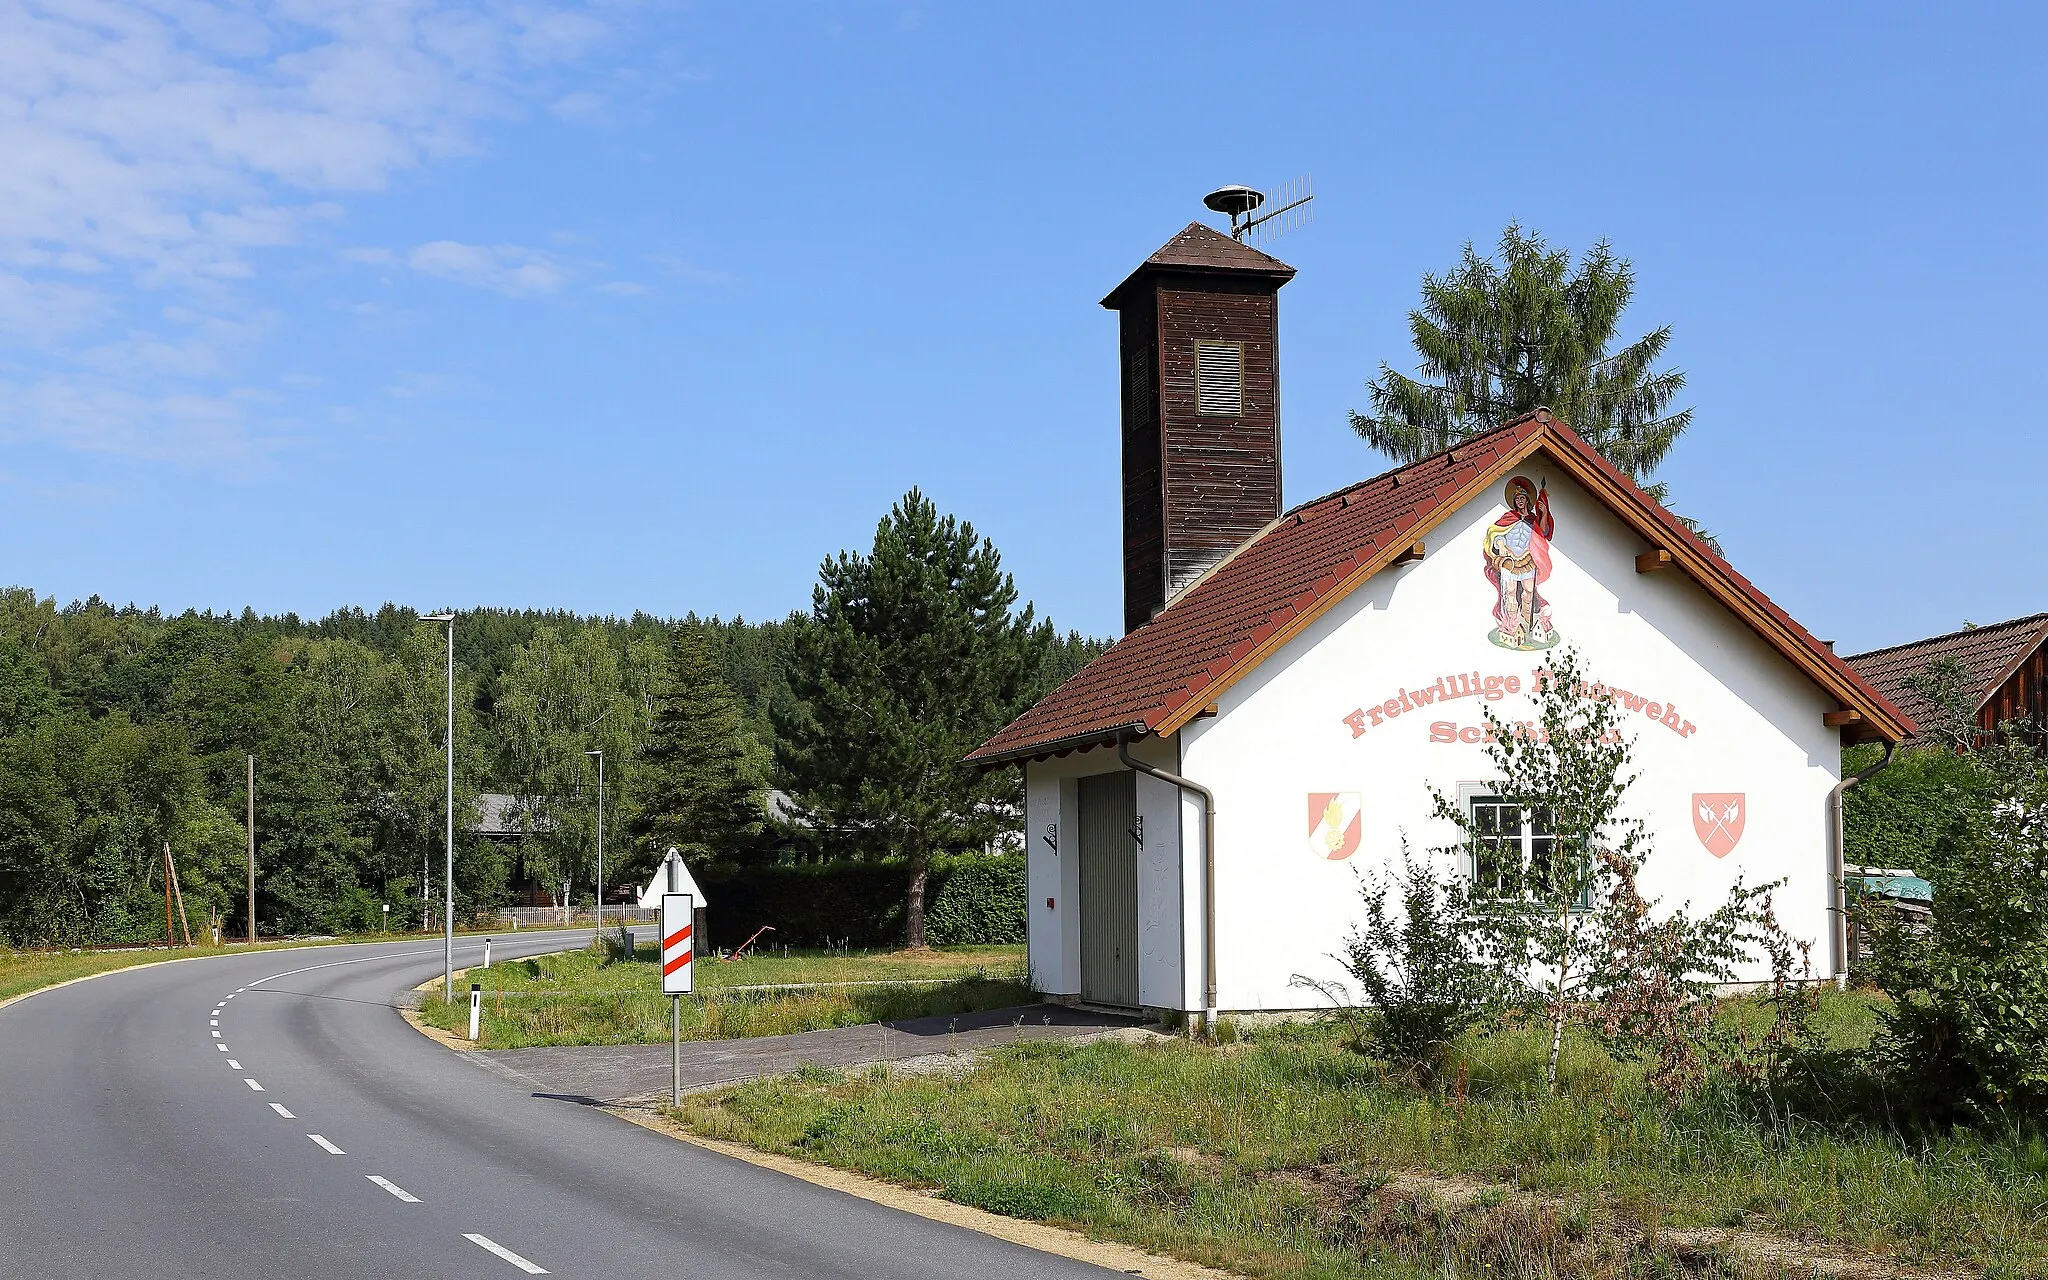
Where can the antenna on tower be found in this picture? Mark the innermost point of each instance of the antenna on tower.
(1292, 208)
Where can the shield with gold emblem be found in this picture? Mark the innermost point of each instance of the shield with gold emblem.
(1336, 821)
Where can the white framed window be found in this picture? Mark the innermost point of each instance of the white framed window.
(1510, 850)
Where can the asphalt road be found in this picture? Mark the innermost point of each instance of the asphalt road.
(271, 1115)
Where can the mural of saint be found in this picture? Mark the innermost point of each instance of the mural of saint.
(1517, 553)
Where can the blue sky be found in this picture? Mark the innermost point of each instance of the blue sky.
(653, 307)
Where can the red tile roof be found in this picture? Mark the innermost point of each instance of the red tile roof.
(1163, 674)
(1987, 655)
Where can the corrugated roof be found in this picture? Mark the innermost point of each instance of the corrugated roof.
(1208, 637)
(1987, 655)
(1202, 248)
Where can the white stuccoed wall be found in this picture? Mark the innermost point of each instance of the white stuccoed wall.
(1167, 922)
(1282, 734)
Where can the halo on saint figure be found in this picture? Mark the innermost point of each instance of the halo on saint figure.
(1515, 555)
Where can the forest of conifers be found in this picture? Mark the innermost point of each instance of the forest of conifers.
(122, 730)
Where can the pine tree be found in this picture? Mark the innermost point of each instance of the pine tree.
(1501, 338)
(696, 788)
(910, 658)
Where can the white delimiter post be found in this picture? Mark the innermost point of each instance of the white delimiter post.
(678, 917)
(476, 1004)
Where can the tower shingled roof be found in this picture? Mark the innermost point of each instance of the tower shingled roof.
(1201, 248)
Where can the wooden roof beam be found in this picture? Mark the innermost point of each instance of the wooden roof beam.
(1409, 554)
(1843, 719)
(1651, 561)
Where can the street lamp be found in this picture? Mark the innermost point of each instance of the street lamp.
(448, 929)
(600, 836)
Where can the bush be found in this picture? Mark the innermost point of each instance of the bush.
(860, 904)
(1426, 977)
(1968, 1027)
(1895, 817)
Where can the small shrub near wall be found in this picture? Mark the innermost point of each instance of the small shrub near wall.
(971, 898)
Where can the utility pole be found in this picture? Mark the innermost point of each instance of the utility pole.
(252, 850)
(600, 837)
(170, 938)
(448, 907)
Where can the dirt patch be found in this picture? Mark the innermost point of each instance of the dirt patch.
(1500, 1230)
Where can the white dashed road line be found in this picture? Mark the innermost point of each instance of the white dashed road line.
(252, 1084)
(279, 1108)
(393, 1188)
(222, 1047)
(216, 1035)
(486, 1242)
(235, 1065)
(327, 1146)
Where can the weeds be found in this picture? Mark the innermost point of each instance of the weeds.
(1294, 1156)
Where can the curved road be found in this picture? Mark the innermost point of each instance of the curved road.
(271, 1115)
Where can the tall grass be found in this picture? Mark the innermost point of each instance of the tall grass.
(597, 997)
(1284, 1156)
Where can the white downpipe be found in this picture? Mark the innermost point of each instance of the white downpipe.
(1123, 753)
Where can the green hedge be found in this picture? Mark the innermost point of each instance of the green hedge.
(980, 900)
(969, 898)
(1896, 817)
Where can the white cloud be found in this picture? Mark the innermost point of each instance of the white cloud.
(581, 107)
(510, 269)
(97, 415)
(624, 289)
(156, 150)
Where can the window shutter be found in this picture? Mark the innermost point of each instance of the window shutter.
(1219, 378)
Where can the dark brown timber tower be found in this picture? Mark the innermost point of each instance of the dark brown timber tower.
(1199, 328)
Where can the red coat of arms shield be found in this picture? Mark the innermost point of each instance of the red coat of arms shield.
(1717, 818)
(1335, 823)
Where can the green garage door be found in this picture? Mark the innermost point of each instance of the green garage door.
(1109, 889)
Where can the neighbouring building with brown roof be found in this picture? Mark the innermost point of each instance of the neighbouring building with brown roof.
(1292, 684)
(2001, 671)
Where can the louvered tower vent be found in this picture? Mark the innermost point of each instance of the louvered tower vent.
(1199, 328)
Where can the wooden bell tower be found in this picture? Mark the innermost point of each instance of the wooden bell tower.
(1199, 351)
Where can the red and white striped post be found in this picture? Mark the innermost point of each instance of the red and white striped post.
(678, 948)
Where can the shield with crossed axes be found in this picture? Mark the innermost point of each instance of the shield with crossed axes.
(1717, 818)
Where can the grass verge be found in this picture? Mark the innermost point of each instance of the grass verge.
(1287, 1155)
(591, 997)
(24, 971)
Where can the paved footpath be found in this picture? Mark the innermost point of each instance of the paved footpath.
(271, 1115)
(628, 1072)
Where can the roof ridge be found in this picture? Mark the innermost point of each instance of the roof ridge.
(1467, 443)
(1948, 635)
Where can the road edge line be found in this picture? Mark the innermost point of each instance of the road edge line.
(1058, 1241)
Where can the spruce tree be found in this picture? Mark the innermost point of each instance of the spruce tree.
(1501, 338)
(696, 788)
(910, 658)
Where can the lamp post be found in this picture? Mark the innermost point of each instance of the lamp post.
(600, 836)
(448, 895)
